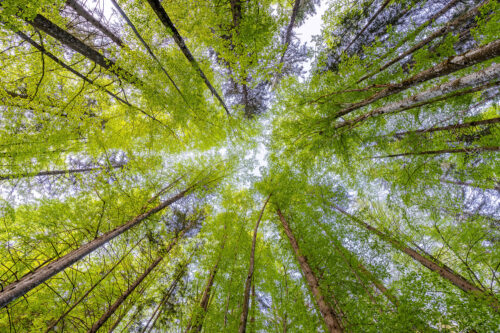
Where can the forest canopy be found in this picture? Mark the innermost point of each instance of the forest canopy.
(188, 166)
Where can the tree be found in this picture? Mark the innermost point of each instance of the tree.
(140, 143)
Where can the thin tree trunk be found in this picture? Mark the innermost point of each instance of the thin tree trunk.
(474, 150)
(288, 38)
(289, 29)
(84, 296)
(32, 280)
(248, 282)
(146, 46)
(45, 25)
(67, 67)
(384, 4)
(136, 283)
(450, 65)
(165, 19)
(330, 317)
(449, 127)
(166, 297)
(432, 264)
(408, 37)
(349, 257)
(56, 172)
(468, 15)
(252, 310)
(481, 79)
(80, 10)
(195, 324)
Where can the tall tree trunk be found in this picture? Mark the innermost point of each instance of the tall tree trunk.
(80, 10)
(443, 30)
(45, 25)
(146, 46)
(384, 4)
(479, 81)
(166, 297)
(449, 127)
(431, 263)
(330, 317)
(137, 282)
(67, 67)
(356, 264)
(252, 309)
(165, 19)
(248, 282)
(195, 324)
(450, 65)
(84, 296)
(56, 172)
(34, 279)
(445, 151)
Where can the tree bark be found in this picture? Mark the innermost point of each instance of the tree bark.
(481, 78)
(165, 19)
(468, 15)
(80, 10)
(67, 67)
(45, 25)
(248, 282)
(195, 324)
(330, 317)
(32, 280)
(56, 172)
(146, 46)
(51, 326)
(446, 67)
(449, 127)
(444, 151)
(431, 263)
(136, 283)
(384, 4)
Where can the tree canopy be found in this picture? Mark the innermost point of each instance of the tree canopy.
(188, 166)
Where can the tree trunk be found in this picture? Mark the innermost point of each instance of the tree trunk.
(468, 15)
(146, 46)
(446, 67)
(34, 279)
(384, 4)
(449, 127)
(136, 283)
(445, 151)
(481, 79)
(56, 172)
(195, 324)
(329, 315)
(248, 282)
(165, 19)
(431, 263)
(80, 10)
(67, 67)
(45, 25)
(84, 296)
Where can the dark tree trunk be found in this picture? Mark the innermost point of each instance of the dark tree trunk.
(136, 283)
(80, 10)
(34, 279)
(45, 25)
(165, 19)
(431, 263)
(448, 27)
(56, 172)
